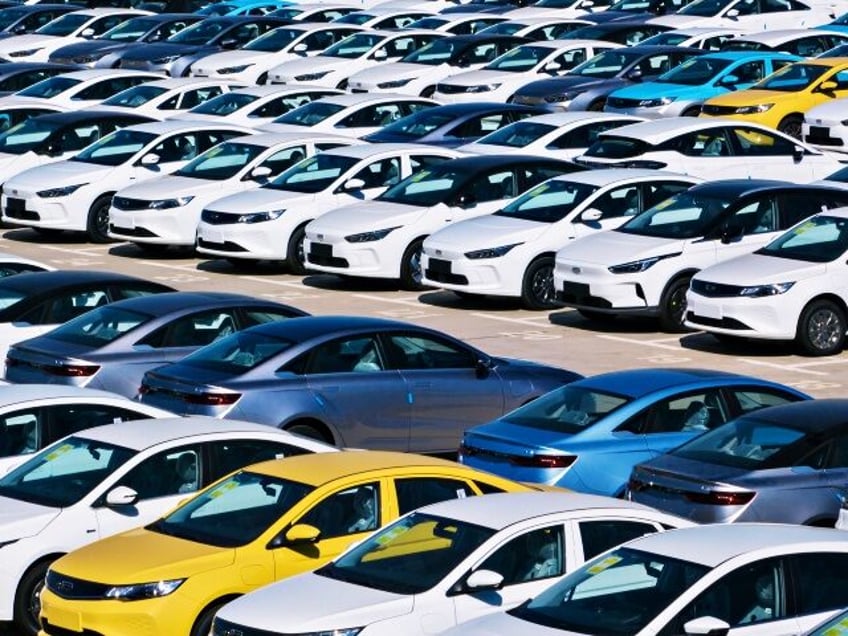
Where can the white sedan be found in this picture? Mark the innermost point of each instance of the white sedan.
(826, 126)
(558, 8)
(78, 89)
(498, 80)
(445, 564)
(748, 15)
(108, 479)
(164, 98)
(510, 253)
(269, 223)
(164, 211)
(76, 194)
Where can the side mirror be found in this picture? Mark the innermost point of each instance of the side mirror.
(150, 159)
(481, 580)
(301, 533)
(732, 14)
(552, 67)
(300, 48)
(52, 149)
(798, 154)
(827, 87)
(483, 368)
(260, 173)
(353, 184)
(732, 231)
(729, 80)
(87, 33)
(706, 626)
(634, 74)
(587, 4)
(229, 43)
(121, 496)
(21, 28)
(380, 54)
(466, 200)
(590, 215)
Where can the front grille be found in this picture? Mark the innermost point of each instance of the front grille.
(451, 89)
(578, 294)
(717, 111)
(126, 203)
(821, 136)
(53, 630)
(226, 628)
(77, 589)
(721, 323)
(623, 102)
(16, 212)
(131, 231)
(227, 246)
(714, 290)
(445, 277)
(327, 260)
(218, 218)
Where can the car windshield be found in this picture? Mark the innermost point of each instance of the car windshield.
(131, 30)
(199, 33)
(667, 38)
(568, 409)
(517, 134)
(695, 71)
(793, 78)
(11, 296)
(520, 59)
(64, 25)
(354, 46)
(62, 474)
(115, 148)
(613, 147)
(418, 124)
(310, 114)
(9, 16)
(313, 174)
(358, 17)
(275, 40)
(820, 239)
(409, 556)
(683, 216)
(548, 202)
(606, 65)
(432, 22)
(99, 327)
(704, 8)
(49, 87)
(221, 162)
(225, 104)
(617, 593)
(27, 135)
(427, 187)
(435, 53)
(135, 96)
(237, 353)
(234, 512)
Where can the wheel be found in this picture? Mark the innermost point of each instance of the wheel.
(673, 306)
(821, 328)
(98, 220)
(295, 254)
(28, 599)
(693, 111)
(309, 430)
(791, 125)
(596, 316)
(428, 92)
(537, 288)
(203, 625)
(410, 267)
(597, 105)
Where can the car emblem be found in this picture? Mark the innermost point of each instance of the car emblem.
(65, 586)
(320, 237)
(233, 632)
(576, 270)
(709, 287)
(438, 252)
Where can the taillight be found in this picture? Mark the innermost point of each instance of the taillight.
(64, 370)
(212, 399)
(717, 498)
(544, 461)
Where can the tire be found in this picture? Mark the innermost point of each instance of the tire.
(27, 603)
(596, 316)
(537, 288)
(791, 125)
(295, 256)
(203, 625)
(821, 329)
(673, 306)
(692, 111)
(309, 430)
(98, 220)
(410, 267)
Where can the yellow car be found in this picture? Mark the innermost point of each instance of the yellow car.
(260, 524)
(781, 99)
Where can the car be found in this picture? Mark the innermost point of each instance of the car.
(272, 520)
(420, 71)
(16, 76)
(33, 417)
(111, 347)
(538, 28)
(790, 289)
(466, 22)
(721, 578)
(684, 89)
(511, 252)
(780, 100)
(68, 28)
(430, 385)
(82, 186)
(558, 8)
(834, 625)
(12, 114)
(383, 238)
(315, 12)
(252, 62)
(104, 480)
(452, 125)
(748, 15)
(499, 79)
(103, 51)
(588, 435)
(17, 20)
(587, 86)
(624, 32)
(644, 267)
(268, 223)
(707, 38)
(378, 19)
(144, 214)
(823, 126)
(365, 49)
(164, 98)
(11, 264)
(449, 561)
(253, 7)
(802, 42)
(710, 148)
(35, 302)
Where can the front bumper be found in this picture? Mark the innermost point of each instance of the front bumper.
(174, 226)
(826, 135)
(254, 241)
(490, 276)
(592, 287)
(771, 318)
(61, 213)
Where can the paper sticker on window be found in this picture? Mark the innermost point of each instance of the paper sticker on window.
(603, 565)
(56, 454)
(460, 493)
(391, 535)
(222, 489)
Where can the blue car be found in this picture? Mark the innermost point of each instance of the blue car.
(839, 24)
(684, 89)
(589, 434)
(243, 7)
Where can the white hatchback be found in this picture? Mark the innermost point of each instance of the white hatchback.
(79, 89)
(164, 98)
(826, 126)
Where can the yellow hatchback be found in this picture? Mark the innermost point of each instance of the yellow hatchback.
(781, 99)
(260, 524)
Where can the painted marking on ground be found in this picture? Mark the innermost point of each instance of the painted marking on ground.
(659, 344)
(531, 335)
(532, 322)
(782, 367)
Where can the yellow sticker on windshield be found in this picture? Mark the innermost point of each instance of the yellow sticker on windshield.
(539, 190)
(222, 489)
(837, 629)
(809, 225)
(56, 454)
(419, 176)
(391, 535)
(603, 565)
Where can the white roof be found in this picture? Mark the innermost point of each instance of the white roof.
(780, 36)
(178, 125)
(607, 176)
(269, 139)
(576, 116)
(658, 130)
(15, 393)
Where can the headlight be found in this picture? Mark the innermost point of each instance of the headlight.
(395, 83)
(260, 217)
(562, 97)
(309, 77)
(653, 103)
(344, 631)
(141, 591)
(490, 252)
(52, 193)
(367, 237)
(233, 69)
(25, 53)
(753, 110)
(634, 267)
(482, 88)
(758, 291)
(164, 204)
(86, 59)
(3, 544)
(165, 60)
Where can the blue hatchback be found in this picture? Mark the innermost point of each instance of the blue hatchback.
(587, 435)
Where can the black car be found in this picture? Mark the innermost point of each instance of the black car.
(627, 32)
(27, 18)
(587, 86)
(102, 52)
(16, 76)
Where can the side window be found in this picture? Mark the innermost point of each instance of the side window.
(78, 137)
(253, 317)
(712, 143)
(535, 175)
(653, 193)
(197, 96)
(181, 147)
(479, 126)
(569, 60)
(494, 186)
(72, 305)
(170, 472)
(421, 352)
(807, 47)
(415, 492)
(622, 201)
(170, 103)
(748, 400)
(757, 143)
(419, 162)
(281, 160)
(226, 456)
(64, 419)
(601, 535)
(409, 108)
(347, 512)
(22, 432)
(21, 81)
(820, 585)
(100, 90)
(480, 54)
(798, 206)
(583, 136)
(691, 413)
(380, 173)
(655, 65)
(245, 33)
(750, 72)
(838, 453)
(195, 330)
(329, 145)
(207, 139)
(274, 108)
(290, 102)
(537, 554)
(398, 47)
(758, 217)
(345, 356)
(104, 24)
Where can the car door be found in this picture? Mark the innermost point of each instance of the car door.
(708, 154)
(770, 156)
(574, 142)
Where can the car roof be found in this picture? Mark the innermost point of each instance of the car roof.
(96, 73)
(741, 187)
(638, 382)
(656, 131)
(76, 116)
(575, 116)
(472, 108)
(364, 151)
(354, 99)
(270, 139)
(165, 303)
(812, 416)
(780, 36)
(737, 56)
(19, 67)
(653, 49)
(183, 82)
(102, 11)
(45, 281)
(608, 176)
(300, 329)
(475, 38)
(28, 8)
(279, 89)
(178, 125)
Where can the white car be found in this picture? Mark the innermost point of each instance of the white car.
(76, 26)
(164, 211)
(33, 416)
(710, 148)
(111, 478)
(76, 194)
(164, 98)
(747, 579)
(747, 15)
(252, 62)
(383, 19)
(353, 115)
(474, 556)
(707, 38)
(551, 27)
(458, 23)
(498, 80)
(383, 238)
(269, 223)
(803, 42)
(558, 8)
(644, 266)
(256, 105)
(11, 264)
(794, 288)
(79, 89)
(826, 126)
(511, 252)
(359, 51)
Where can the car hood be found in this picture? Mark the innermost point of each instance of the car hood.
(161, 49)
(393, 71)
(314, 603)
(481, 76)
(372, 215)
(752, 96)
(489, 230)
(314, 64)
(757, 269)
(57, 175)
(19, 519)
(558, 85)
(655, 90)
(684, 21)
(609, 248)
(143, 555)
(168, 187)
(29, 41)
(829, 110)
(258, 199)
(229, 58)
(88, 47)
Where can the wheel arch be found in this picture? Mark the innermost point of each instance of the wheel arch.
(319, 425)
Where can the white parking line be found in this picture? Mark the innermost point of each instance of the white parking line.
(821, 363)
(783, 367)
(659, 343)
(533, 322)
(411, 301)
(77, 250)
